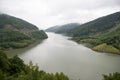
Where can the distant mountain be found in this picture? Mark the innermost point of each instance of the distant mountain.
(53, 29)
(97, 26)
(17, 33)
(63, 28)
(102, 34)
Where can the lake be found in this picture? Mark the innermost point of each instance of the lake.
(58, 54)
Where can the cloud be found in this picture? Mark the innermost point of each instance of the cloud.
(45, 13)
(69, 5)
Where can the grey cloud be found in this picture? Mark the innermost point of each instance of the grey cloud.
(45, 13)
(82, 4)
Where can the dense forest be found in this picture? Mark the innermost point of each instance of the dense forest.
(96, 33)
(114, 76)
(17, 33)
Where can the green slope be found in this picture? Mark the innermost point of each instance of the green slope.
(15, 22)
(96, 27)
(105, 29)
(17, 33)
(102, 30)
(106, 48)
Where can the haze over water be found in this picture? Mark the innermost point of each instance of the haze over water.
(58, 54)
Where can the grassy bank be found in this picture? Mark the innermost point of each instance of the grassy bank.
(97, 45)
(106, 48)
(13, 52)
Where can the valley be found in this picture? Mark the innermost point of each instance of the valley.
(104, 30)
(73, 52)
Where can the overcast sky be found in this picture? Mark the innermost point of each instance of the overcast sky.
(47, 13)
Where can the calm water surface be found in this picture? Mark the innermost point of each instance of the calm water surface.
(57, 54)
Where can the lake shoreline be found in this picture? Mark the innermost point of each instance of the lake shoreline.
(17, 51)
(58, 54)
(92, 47)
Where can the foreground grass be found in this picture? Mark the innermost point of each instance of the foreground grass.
(11, 52)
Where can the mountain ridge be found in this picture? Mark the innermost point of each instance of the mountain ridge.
(18, 33)
(62, 28)
(103, 30)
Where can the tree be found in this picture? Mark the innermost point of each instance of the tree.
(4, 63)
(16, 65)
(114, 76)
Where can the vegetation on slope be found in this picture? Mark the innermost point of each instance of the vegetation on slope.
(15, 22)
(114, 76)
(106, 48)
(102, 30)
(63, 28)
(15, 69)
(39, 34)
(13, 39)
(96, 27)
(17, 33)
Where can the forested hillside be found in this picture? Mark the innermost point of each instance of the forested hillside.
(97, 26)
(17, 33)
(104, 30)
